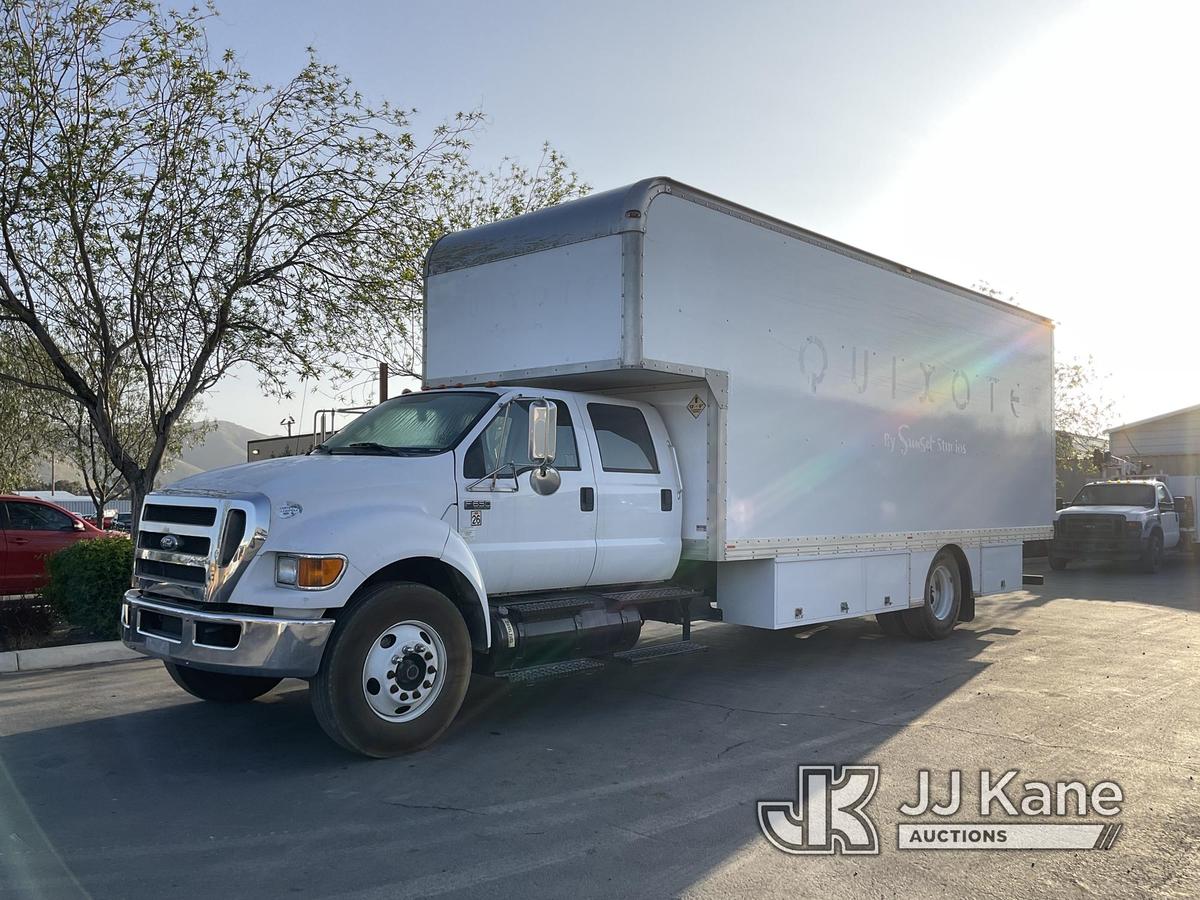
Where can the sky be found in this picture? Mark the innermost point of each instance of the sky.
(1048, 149)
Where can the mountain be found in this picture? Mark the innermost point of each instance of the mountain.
(224, 445)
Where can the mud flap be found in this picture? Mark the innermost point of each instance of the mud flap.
(966, 609)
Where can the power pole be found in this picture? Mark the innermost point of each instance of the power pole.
(383, 381)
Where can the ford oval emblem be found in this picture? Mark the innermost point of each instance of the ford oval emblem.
(169, 542)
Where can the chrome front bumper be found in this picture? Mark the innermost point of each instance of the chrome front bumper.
(235, 643)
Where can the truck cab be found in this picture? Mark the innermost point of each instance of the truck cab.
(1125, 519)
(467, 496)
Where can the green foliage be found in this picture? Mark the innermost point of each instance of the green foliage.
(166, 217)
(87, 581)
(1081, 411)
(21, 438)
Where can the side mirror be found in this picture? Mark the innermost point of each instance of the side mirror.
(543, 444)
(543, 432)
(78, 526)
(1059, 503)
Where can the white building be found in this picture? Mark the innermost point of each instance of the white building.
(1169, 443)
(80, 504)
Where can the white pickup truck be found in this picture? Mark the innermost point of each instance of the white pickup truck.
(1126, 519)
(648, 404)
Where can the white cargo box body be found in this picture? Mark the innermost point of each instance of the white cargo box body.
(822, 401)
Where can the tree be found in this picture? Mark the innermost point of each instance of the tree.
(76, 441)
(22, 437)
(465, 200)
(162, 213)
(1081, 413)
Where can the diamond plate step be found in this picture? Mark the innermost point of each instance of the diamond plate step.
(548, 671)
(656, 651)
(651, 595)
(553, 604)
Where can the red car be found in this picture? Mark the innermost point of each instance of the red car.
(30, 530)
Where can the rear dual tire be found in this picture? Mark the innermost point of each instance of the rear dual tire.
(936, 617)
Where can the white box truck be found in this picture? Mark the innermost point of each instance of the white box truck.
(648, 404)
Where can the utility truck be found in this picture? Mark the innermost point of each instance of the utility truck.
(1136, 518)
(649, 404)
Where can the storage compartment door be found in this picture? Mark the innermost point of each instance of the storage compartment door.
(887, 582)
(817, 590)
(1001, 569)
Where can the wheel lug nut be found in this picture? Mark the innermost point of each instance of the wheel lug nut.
(427, 684)
(394, 688)
(404, 696)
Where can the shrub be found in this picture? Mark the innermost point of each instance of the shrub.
(25, 623)
(87, 582)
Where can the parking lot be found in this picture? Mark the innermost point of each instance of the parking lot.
(634, 781)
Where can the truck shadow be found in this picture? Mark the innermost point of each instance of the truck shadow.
(255, 800)
(1176, 586)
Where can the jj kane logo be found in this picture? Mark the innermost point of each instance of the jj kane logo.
(830, 813)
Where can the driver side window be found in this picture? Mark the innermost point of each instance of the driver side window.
(504, 441)
(35, 517)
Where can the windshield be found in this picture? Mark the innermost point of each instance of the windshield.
(1115, 495)
(424, 423)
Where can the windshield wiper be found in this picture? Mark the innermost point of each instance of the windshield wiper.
(369, 446)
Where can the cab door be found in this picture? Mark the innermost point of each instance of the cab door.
(525, 541)
(638, 501)
(1168, 516)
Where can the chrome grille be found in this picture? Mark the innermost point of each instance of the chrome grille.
(196, 546)
(1091, 526)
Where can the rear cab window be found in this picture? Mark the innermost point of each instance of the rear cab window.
(623, 438)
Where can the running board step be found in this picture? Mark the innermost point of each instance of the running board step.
(656, 651)
(549, 671)
(552, 604)
(652, 595)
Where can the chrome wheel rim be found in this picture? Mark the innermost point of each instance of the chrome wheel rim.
(404, 671)
(941, 592)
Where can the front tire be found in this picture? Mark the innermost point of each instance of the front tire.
(934, 620)
(395, 671)
(1152, 556)
(217, 686)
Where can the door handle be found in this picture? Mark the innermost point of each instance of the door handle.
(587, 499)
(664, 500)
(19, 540)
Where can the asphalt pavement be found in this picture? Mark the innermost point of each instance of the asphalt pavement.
(636, 781)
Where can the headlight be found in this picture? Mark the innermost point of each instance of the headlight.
(308, 572)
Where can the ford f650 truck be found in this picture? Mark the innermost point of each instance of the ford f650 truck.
(649, 404)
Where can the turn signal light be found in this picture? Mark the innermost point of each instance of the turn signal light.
(319, 571)
(308, 571)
